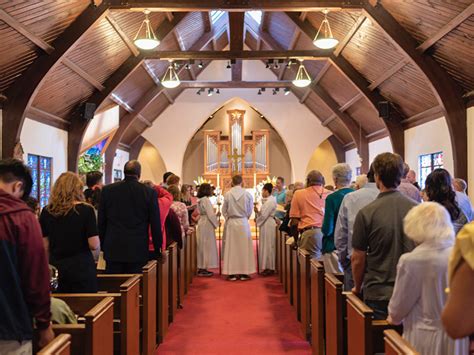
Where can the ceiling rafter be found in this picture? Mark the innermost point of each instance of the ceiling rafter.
(168, 96)
(47, 118)
(128, 42)
(393, 126)
(445, 89)
(236, 29)
(23, 90)
(25, 32)
(78, 125)
(312, 54)
(83, 74)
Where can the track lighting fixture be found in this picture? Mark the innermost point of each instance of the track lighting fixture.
(228, 65)
(276, 66)
(145, 37)
(287, 91)
(263, 89)
(233, 61)
(218, 92)
(259, 92)
(274, 92)
(200, 65)
(210, 92)
(187, 67)
(267, 64)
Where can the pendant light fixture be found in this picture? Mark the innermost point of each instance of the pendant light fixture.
(145, 37)
(324, 38)
(170, 79)
(302, 77)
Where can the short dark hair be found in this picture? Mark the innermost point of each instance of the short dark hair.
(12, 170)
(93, 178)
(32, 203)
(133, 168)
(166, 175)
(268, 187)
(281, 178)
(204, 190)
(370, 174)
(389, 168)
(236, 180)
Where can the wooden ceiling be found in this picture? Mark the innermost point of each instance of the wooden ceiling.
(416, 54)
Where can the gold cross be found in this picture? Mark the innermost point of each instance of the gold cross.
(235, 160)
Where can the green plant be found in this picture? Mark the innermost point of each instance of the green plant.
(90, 161)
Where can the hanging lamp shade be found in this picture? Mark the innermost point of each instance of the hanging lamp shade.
(170, 79)
(324, 38)
(145, 37)
(302, 77)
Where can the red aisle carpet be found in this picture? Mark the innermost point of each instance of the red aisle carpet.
(241, 317)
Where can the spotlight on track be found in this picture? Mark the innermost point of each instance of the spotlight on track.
(259, 92)
(287, 91)
(274, 92)
(218, 92)
(210, 92)
(200, 65)
(228, 65)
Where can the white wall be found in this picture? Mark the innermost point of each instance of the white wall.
(121, 157)
(300, 130)
(470, 151)
(40, 139)
(430, 137)
(352, 158)
(102, 125)
(379, 146)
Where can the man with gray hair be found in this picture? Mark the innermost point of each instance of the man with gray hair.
(462, 199)
(307, 212)
(407, 188)
(342, 176)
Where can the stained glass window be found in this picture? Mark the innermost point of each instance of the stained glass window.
(41, 170)
(427, 163)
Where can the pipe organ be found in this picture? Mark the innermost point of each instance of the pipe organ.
(236, 153)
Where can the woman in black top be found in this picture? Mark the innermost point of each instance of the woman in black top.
(70, 235)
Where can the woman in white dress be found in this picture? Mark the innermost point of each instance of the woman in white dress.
(267, 227)
(422, 278)
(206, 233)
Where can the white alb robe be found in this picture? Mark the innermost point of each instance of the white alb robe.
(267, 238)
(419, 297)
(206, 235)
(238, 245)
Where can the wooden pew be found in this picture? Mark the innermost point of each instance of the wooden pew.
(335, 308)
(182, 273)
(289, 274)
(396, 345)
(277, 253)
(295, 270)
(194, 254)
(284, 264)
(173, 281)
(189, 263)
(61, 345)
(95, 335)
(148, 279)
(364, 334)
(304, 260)
(162, 296)
(126, 313)
(317, 307)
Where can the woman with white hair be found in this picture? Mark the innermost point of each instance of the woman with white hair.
(422, 277)
(342, 176)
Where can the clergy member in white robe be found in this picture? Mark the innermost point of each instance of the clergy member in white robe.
(206, 233)
(267, 228)
(238, 261)
(422, 277)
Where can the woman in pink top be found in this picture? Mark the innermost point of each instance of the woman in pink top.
(180, 209)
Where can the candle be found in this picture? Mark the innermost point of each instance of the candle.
(255, 180)
(218, 180)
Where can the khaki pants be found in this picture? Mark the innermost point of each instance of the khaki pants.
(312, 241)
(14, 347)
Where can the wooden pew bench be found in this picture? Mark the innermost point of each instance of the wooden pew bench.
(289, 273)
(126, 313)
(396, 345)
(112, 283)
(182, 273)
(295, 270)
(317, 307)
(304, 260)
(284, 264)
(173, 281)
(364, 333)
(162, 299)
(61, 345)
(335, 308)
(94, 335)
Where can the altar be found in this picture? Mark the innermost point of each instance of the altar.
(236, 153)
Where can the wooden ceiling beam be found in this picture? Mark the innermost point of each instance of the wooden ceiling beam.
(349, 35)
(78, 125)
(25, 32)
(136, 147)
(48, 118)
(388, 74)
(236, 29)
(83, 74)
(128, 42)
(234, 84)
(393, 126)
(444, 88)
(21, 94)
(144, 120)
(316, 54)
(150, 73)
(168, 96)
(206, 19)
(239, 5)
(338, 148)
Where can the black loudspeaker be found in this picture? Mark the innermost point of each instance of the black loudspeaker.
(384, 108)
(88, 110)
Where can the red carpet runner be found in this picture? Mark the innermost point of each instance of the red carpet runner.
(241, 317)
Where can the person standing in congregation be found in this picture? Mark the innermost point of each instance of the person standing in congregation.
(207, 256)
(422, 278)
(378, 239)
(239, 260)
(460, 187)
(280, 195)
(411, 177)
(342, 176)
(407, 188)
(94, 187)
(127, 210)
(267, 227)
(70, 235)
(24, 284)
(307, 212)
(350, 206)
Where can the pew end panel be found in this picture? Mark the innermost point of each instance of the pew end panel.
(149, 307)
(289, 272)
(173, 281)
(304, 259)
(317, 307)
(335, 313)
(61, 345)
(162, 299)
(396, 345)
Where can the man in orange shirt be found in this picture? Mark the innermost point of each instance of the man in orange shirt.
(307, 211)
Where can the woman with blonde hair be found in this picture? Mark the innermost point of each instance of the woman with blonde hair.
(70, 235)
(422, 276)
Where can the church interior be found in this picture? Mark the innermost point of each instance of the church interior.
(208, 89)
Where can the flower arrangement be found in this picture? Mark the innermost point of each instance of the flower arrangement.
(200, 180)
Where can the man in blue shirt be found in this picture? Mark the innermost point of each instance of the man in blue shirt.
(279, 193)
